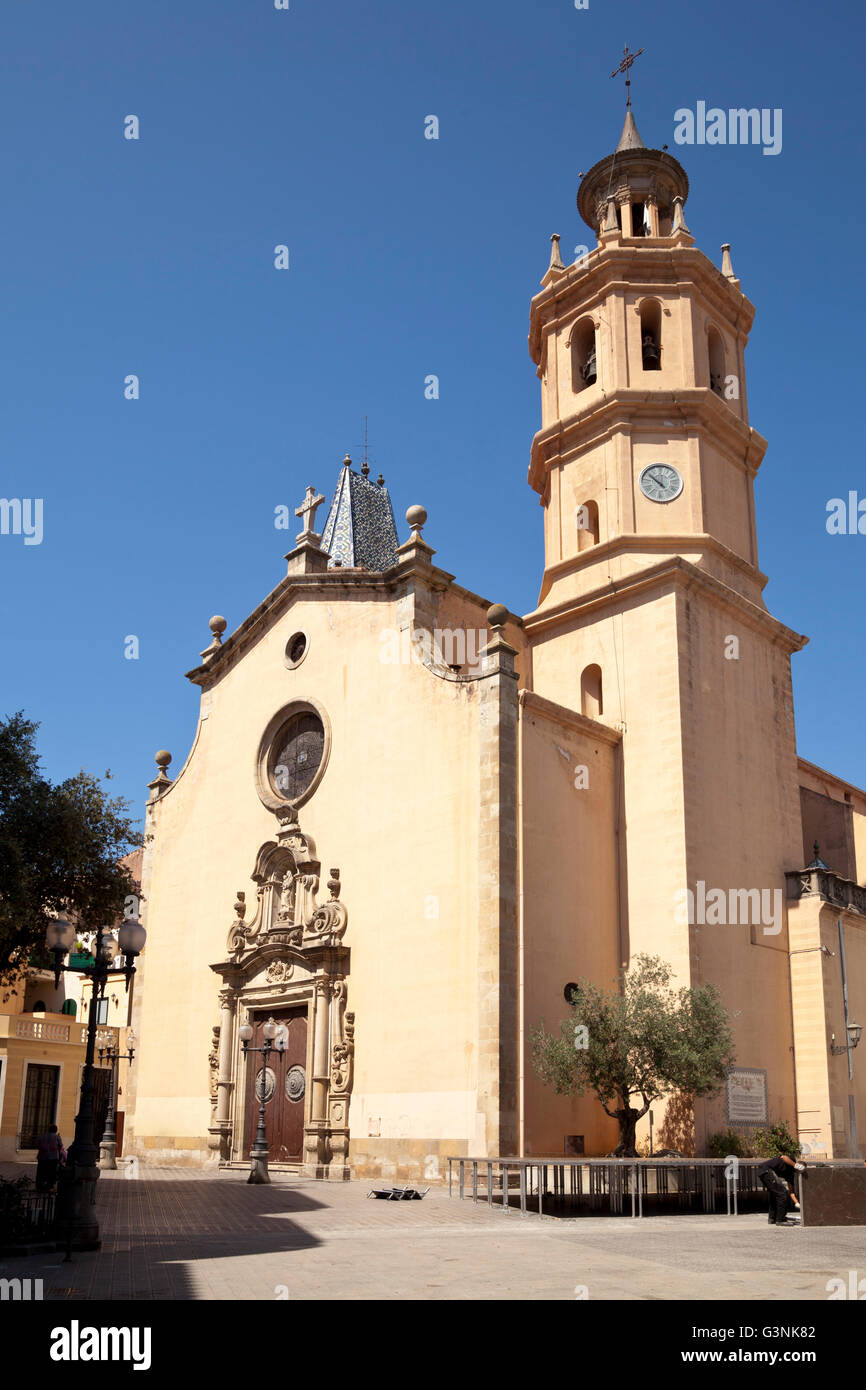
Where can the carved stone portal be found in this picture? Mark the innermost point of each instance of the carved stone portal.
(290, 952)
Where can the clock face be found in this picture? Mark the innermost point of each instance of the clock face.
(660, 482)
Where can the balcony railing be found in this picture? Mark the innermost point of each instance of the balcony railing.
(56, 1029)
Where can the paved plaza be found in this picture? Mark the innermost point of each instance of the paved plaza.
(181, 1234)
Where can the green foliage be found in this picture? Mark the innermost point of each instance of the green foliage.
(644, 1040)
(59, 848)
(776, 1139)
(728, 1143)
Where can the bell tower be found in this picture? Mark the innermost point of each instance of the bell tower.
(651, 617)
(645, 448)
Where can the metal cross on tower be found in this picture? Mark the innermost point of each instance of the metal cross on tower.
(625, 65)
(365, 466)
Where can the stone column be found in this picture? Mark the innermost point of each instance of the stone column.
(315, 1133)
(220, 1132)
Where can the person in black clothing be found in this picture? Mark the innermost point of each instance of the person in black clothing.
(772, 1174)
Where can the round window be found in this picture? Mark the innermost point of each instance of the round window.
(296, 754)
(296, 649)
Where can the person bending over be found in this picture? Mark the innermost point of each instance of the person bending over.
(772, 1173)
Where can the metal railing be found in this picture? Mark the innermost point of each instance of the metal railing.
(606, 1184)
(26, 1216)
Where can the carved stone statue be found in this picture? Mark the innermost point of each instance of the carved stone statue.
(287, 898)
(213, 1063)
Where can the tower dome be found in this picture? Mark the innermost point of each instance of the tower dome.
(642, 183)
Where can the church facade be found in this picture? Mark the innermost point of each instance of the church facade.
(410, 819)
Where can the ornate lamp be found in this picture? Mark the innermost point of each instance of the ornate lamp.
(259, 1151)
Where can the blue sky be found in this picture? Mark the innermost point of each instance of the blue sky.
(408, 257)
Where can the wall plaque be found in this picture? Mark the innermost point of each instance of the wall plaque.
(746, 1096)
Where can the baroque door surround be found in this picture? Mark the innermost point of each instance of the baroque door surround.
(290, 954)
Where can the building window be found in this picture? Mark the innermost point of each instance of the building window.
(651, 335)
(584, 359)
(296, 649)
(296, 754)
(587, 525)
(716, 354)
(40, 1103)
(102, 1011)
(69, 1007)
(38, 1007)
(591, 702)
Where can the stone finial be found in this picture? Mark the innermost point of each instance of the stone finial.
(162, 779)
(727, 263)
(416, 550)
(334, 884)
(497, 615)
(347, 462)
(555, 268)
(416, 517)
(380, 481)
(217, 626)
(679, 220)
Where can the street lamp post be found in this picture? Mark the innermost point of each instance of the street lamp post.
(108, 1144)
(76, 1189)
(259, 1151)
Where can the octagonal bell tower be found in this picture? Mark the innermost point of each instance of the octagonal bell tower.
(651, 616)
(645, 448)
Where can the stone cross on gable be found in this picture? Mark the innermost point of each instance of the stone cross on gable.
(307, 510)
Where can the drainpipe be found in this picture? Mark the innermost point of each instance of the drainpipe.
(845, 1001)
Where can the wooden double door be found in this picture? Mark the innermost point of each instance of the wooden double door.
(285, 1085)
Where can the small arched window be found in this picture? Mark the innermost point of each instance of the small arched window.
(584, 361)
(69, 1007)
(651, 335)
(587, 525)
(716, 354)
(38, 1007)
(591, 701)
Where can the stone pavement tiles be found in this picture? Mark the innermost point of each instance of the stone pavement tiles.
(184, 1234)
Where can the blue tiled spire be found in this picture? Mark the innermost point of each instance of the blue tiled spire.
(360, 530)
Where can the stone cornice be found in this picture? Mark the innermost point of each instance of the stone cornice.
(638, 264)
(694, 409)
(534, 703)
(821, 774)
(632, 541)
(329, 585)
(674, 571)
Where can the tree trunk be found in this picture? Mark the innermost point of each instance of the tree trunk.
(628, 1119)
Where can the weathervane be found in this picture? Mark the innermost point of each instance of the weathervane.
(365, 466)
(625, 65)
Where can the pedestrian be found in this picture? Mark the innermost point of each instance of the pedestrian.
(772, 1173)
(48, 1157)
